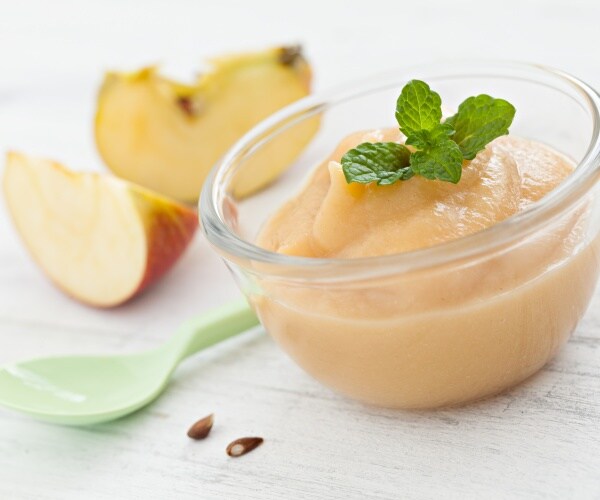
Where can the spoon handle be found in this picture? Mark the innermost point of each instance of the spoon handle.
(212, 327)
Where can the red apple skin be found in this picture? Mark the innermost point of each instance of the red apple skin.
(169, 232)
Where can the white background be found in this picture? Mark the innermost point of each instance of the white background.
(541, 439)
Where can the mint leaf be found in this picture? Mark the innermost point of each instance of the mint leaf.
(422, 139)
(441, 160)
(380, 162)
(439, 157)
(418, 108)
(480, 120)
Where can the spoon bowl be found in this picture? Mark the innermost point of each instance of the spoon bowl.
(84, 390)
(104, 387)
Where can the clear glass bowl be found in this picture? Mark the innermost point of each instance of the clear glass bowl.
(443, 325)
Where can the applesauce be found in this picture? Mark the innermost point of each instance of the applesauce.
(445, 335)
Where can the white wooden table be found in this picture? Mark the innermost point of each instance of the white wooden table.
(540, 440)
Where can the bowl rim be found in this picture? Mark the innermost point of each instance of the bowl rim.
(498, 236)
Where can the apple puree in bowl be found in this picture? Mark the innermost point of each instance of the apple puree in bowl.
(331, 218)
(444, 335)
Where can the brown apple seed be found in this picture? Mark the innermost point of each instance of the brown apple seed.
(243, 445)
(201, 428)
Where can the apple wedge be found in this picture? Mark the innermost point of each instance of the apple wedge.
(166, 136)
(100, 239)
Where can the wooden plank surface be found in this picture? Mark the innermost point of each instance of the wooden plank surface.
(538, 440)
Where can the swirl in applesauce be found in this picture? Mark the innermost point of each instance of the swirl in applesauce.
(331, 218)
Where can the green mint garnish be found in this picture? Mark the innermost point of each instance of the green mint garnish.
(418, 108)
(442, 161)
(424, 138)
(380, 162)
(440, 147)
(480, 120)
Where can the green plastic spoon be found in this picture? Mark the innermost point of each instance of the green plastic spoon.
(83, 390)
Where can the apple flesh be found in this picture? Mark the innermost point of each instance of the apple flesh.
(102, 240)
(166, 136)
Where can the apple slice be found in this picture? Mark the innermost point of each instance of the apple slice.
(100, 239)
(166, 136)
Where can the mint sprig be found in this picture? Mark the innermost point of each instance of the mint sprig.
(440, 147)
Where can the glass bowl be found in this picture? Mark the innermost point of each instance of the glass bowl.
(443, 325)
